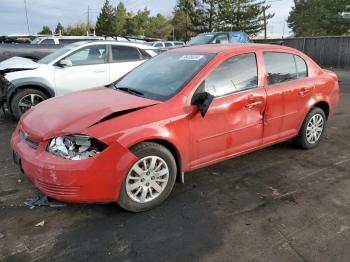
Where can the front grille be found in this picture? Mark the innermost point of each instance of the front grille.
(58, 190)
(28, 141)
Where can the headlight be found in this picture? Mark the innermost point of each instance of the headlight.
(75, 147)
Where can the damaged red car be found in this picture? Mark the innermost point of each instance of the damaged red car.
(182, 110)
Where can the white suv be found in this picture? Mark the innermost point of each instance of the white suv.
(77, 66)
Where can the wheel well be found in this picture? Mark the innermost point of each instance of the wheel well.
(39, 88)
(324, 106)
(174, 151)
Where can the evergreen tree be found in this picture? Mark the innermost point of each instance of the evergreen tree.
(105, 24)
(180, 25)
(120, 19)
(45, 31)
(242, 15)
(186, 10)
(319, 17)
(206, 16)
(59, 28)
(159, 27)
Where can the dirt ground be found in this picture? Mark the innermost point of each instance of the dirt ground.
(276, 204)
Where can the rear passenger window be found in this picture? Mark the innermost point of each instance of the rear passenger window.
(301, 67)
(235, 74)
(280, 67)
(125, 53)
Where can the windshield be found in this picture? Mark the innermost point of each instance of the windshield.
(164, 75)
(201, 39)
(35, 41)
(53, 56)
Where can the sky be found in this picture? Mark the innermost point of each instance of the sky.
(68, 12)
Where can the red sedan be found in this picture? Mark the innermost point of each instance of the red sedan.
(182, 110)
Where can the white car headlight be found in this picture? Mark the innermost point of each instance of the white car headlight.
(75, 147)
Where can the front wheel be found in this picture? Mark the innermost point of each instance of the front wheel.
(24, 99)
(312, 129)
(150, 179)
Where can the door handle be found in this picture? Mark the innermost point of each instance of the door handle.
(253, 104)
(99, 71)
(304, 91)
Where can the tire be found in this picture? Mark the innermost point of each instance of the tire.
(22, 95)
(304, 137)
(130, 199)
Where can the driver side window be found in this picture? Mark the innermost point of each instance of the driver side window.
(236, 74)
(90, 55)
(221, 39)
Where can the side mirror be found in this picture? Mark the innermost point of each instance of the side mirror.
(65, 62)
(203, 100)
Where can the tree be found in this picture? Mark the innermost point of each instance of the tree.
(45, 31)
(120, 19)
(206, 15)
(76, 30)
(184, 15)
(158, 27)
(105, 24)
(180, 25)
(242, 15)
(319, 17)
(59, 28)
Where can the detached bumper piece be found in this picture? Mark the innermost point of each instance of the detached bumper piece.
(4, 85)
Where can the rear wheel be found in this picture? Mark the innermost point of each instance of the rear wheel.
(312, 129)
(150, 179)
(24, 99)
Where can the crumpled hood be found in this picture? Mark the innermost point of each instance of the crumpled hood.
(17, 63)
(73, 113)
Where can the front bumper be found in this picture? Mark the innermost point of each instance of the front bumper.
(97, 179)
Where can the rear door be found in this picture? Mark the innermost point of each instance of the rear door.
(89, 69)
(234, 121)
(288, 91)
(123, 60)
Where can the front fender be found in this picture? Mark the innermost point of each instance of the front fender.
(38, 82)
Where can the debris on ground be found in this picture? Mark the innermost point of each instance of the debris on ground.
(2, 235)
(19, 180)
(43, 201)
(40, 224)
(275, 192)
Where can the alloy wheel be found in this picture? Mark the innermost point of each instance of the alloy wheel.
(29, 101)
(314, 128)
(147, 179)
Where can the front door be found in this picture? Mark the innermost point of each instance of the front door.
(89, 69)
(234, 121)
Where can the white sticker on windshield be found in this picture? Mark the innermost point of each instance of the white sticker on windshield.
(191, 57)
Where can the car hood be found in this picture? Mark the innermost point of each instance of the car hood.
(73, 113)
(17, 63)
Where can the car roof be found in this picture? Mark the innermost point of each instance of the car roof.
(114, 42)
(240, 47)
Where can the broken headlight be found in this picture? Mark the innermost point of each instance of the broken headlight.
(75, 147)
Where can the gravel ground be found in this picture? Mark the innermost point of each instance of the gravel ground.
(276, 204)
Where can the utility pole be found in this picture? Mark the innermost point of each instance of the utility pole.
(25, 7)
(88, 19)
(265, 23)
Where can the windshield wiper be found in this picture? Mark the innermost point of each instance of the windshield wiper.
(129, 90)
